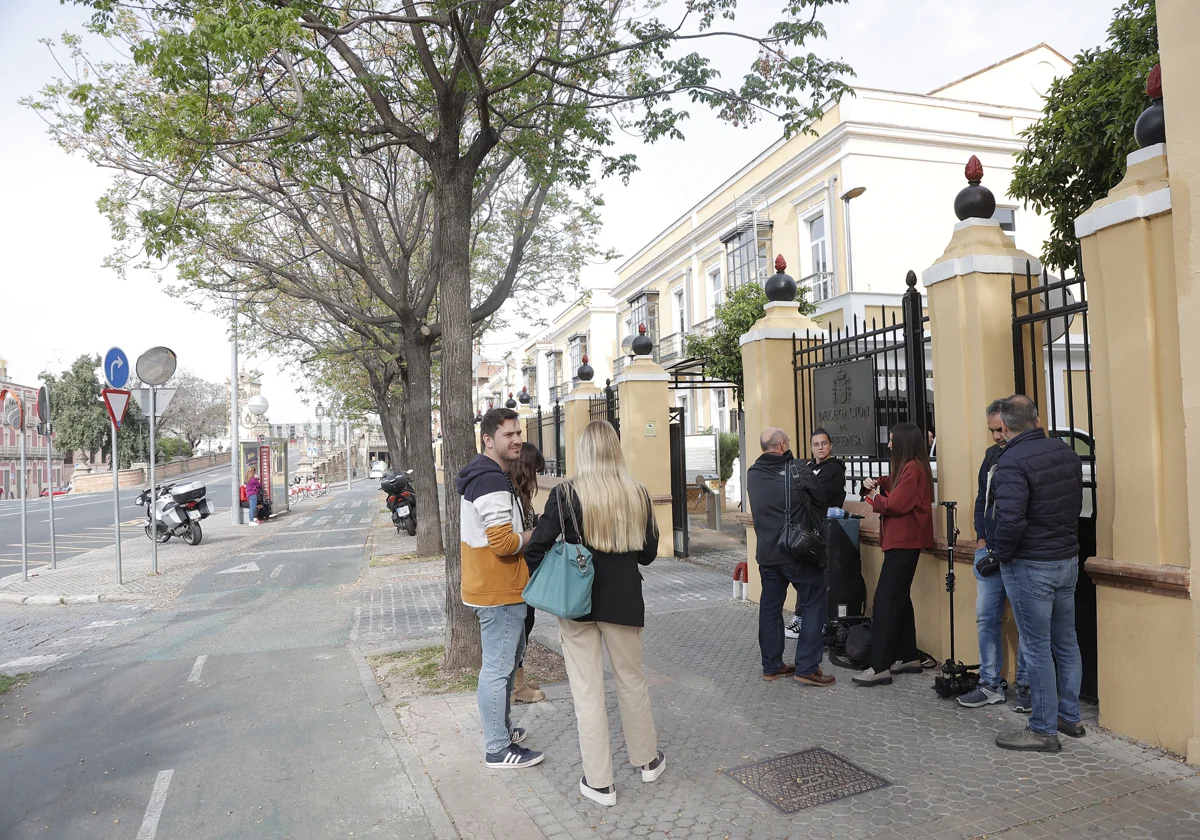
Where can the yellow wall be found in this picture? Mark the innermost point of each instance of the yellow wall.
(1150, 635)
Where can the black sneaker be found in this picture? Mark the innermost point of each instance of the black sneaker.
(792, 629)
(517, 734)
(513, 758)
(1073, 730)
(1023, 700)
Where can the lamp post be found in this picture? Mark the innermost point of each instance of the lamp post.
(349, 475)
(235, 455)
(847, 196)
(320, 424)
(258, 406)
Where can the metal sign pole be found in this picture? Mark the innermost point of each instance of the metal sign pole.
(349, 480)
(153, 491)
(116, 502)
(24, 506)
(235, 454)
(50, 481)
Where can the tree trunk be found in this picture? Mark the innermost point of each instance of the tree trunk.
(452, 208)
(417, 400)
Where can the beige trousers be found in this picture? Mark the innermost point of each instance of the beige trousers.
(585, 670)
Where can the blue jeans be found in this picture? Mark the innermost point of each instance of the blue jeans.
(252, 498)
(810, 609)
(989, 614)
(1043, 598)
(502, 635)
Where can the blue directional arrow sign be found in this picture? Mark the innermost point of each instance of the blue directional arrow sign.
(116, 368)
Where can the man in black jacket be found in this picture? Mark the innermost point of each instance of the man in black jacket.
(831, 476)
(989, 591)
(766, 489)
(1037, 492)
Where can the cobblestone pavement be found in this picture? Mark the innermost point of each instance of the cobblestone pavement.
(946, 778)
(718, 550)
(33, 639)
(406, 602)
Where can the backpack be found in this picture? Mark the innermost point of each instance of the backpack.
(850, 644)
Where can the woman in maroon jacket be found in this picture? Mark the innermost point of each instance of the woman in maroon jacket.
(904, 501)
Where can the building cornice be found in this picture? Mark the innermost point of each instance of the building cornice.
(783, 180)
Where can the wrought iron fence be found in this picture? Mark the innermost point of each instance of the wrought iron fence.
(896, 371)
(607, 406)
(550, 434)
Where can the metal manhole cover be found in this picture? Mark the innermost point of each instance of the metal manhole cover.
(794, 782)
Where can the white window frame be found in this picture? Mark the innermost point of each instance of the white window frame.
(678, 310)
(715, 292)
(826, 290)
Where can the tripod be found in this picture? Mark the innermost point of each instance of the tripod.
(953, 678)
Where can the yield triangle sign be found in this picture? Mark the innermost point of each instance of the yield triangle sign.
(117, 402)
(245, 567)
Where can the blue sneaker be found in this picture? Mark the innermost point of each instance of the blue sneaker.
(513, 758)
(981, 695)
(517, 734)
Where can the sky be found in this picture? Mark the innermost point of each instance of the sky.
(58, 301)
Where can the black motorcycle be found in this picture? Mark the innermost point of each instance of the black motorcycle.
(175, 511)
(401, 502)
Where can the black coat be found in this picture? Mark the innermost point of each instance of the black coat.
(764, 485)
(831, 475)
(1037, 497)
(617, 586)
(982, 522)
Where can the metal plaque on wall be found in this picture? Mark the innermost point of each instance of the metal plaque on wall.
(844, 405)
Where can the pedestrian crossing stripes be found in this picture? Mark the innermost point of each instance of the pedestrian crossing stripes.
(346, 520)
(324, 520)
(339, 506)
(357, 504)
(302, 520)
(366, 520)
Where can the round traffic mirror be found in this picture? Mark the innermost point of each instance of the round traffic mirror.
(156, 366)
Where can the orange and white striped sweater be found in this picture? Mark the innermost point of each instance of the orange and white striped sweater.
(493, 569)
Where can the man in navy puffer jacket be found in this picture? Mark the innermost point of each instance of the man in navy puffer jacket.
(1038, 496)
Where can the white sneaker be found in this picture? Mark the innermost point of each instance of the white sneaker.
(655, 768)
(870, 678)
(606, 796)
(792, 629)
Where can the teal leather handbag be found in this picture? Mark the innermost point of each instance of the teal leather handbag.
(562, 584)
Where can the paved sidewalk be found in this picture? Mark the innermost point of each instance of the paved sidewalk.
(92, 577)
(937, 772)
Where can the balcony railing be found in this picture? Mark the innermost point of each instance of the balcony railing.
(704, 328)
(619, 365)
(671, 348)
(557, 392)
(819, 286)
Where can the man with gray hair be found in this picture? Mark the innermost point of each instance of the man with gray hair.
(989, 589)
(775, 479)
(1037, 498)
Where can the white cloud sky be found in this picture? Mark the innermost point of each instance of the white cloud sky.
(58, 301)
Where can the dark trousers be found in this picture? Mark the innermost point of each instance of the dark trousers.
(809, 584)
(894, 630)
(529, 617)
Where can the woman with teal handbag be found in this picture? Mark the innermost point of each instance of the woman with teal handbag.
(600, 527)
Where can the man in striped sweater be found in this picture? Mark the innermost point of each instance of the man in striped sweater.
(494, 575)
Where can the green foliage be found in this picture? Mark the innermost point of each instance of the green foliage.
(1076, 153)
(729, 451)
(80, 421)
(173, 447)
(735, 316)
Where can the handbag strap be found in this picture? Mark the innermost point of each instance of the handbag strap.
(787, 498)
(565, 501)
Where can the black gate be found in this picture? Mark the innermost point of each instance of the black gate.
(607, 406)
(679, 483)
(1053, 366)
(550, 433)
(898, 382)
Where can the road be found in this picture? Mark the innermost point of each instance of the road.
(85, 521)
(236, 710)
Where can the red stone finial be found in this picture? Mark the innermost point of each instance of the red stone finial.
(585, 358)
(1154, 82)
(641, 329)
(510, 395)
(780, 262)
(974, 170)
(525, 389)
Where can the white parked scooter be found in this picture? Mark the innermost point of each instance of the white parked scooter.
(176, 512)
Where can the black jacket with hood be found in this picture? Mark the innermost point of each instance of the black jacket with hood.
(764, 484)
(831, 474)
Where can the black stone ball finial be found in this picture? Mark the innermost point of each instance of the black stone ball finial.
(642, 345)
(1151, 125)
(511, 403)
(585, 372)
(974, 201)
(780, 287)
(523, 397)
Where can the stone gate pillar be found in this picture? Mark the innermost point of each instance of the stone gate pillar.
(769, 386)
(1142, 538)
(577, 413)
(969, 297)
(645, 436)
